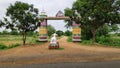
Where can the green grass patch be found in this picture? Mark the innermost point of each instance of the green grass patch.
(69, 39)
(109, 41)
(60, 49)
(86, 42)
(13, 45)
(3, 46)
(18, 39)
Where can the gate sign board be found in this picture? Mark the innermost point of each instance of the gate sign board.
(76, 31)
(42, 30)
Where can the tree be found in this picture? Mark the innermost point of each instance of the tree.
(94, 15)
(1, 23)
(103, 30)
(51, 30)
(14, 32)
(68, 33)
(4, 32)
(114, 27)
(23, 18)
(59, 33)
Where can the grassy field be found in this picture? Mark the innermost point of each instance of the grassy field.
(16, 39)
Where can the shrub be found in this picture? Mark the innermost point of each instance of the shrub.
(2, 46)
(108, 41)
(68, 33)
(89, 42)
(118, 34)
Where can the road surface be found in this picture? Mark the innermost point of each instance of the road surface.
(110, 64)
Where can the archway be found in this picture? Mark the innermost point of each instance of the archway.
(43, 32)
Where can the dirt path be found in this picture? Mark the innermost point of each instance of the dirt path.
(72, 52)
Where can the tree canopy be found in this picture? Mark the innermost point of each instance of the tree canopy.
(22, 17)
(95, 13)
(51, 30)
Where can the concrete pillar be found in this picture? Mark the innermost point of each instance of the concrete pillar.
(43, 31)
(76, 31)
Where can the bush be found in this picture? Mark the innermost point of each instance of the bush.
(88, 42)
(68, 33)
(118, 34)
(2, 46)
(59, 33)
(108, 41)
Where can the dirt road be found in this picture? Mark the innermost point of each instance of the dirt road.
(72, 52)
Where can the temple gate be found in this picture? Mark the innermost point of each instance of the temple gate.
(43, 32)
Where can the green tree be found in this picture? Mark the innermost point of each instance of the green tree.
(5, 32)
(68, 33)
(114, 27)
(59, 33)
(23, 17)
(94, 15)
(103, 30)
(14, 32)
(1, 23)
(51, 30)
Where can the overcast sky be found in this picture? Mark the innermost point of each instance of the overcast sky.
(51, 7)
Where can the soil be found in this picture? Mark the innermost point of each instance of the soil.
(68, 52)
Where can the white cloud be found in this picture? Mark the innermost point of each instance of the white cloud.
(50, 6)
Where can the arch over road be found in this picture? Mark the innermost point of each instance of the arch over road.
(43, 32)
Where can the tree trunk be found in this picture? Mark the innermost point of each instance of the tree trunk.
(93, 35)
(24, 38)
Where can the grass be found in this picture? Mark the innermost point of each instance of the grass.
(69, 39)
(113, 41)
(60, 49)
(13, 45)
(3, 46)
(13, 39)
(86, 42)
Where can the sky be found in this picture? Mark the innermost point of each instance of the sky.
(51, 7)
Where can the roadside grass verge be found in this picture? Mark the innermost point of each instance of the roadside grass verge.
(4, 47)
(13, 39)
(104, 41)
(109, 41)
(69, 39)
(86, 42)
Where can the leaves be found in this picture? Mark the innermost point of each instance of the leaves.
(94, 14)
(22, 17)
